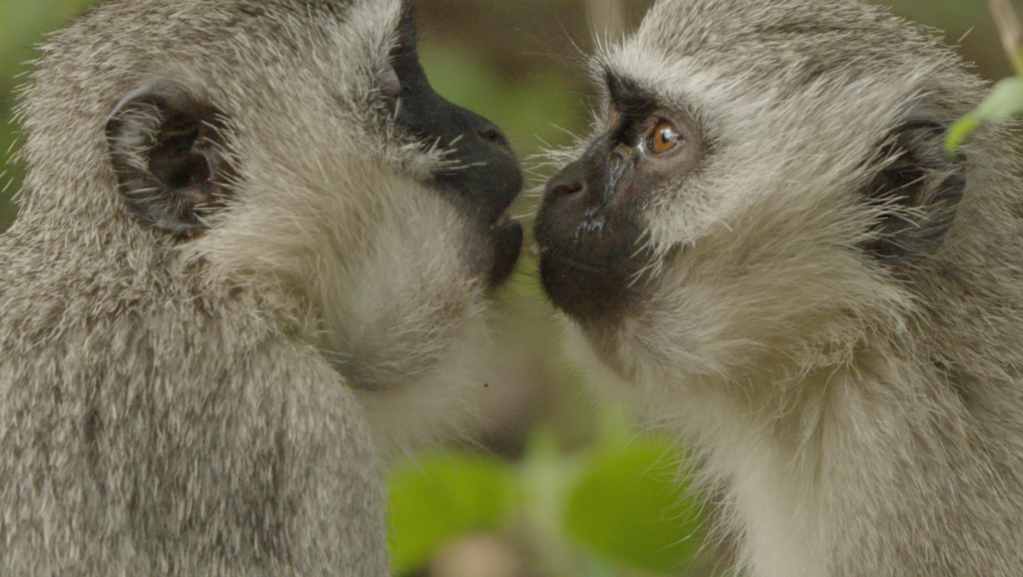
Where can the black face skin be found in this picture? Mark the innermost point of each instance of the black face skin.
(589, 228)
(483, 177)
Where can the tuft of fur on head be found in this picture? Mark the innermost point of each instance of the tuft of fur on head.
(841, 403)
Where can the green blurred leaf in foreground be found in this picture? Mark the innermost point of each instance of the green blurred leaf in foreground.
(1004, 100)
(631, 507)
(436, 498)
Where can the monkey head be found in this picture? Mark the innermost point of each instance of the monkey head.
(315, 166)
(757, 179)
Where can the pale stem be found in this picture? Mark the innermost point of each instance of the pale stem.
(607, 18)
(1010, 30)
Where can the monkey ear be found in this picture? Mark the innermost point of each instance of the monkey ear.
(917, 189)
(166, 149)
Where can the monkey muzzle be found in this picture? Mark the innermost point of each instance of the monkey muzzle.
(480, 176)
(589, 236)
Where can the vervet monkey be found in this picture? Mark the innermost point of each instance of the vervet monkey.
(763, 243)
(252, 235)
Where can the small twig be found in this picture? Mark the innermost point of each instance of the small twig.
(1010, 30)
(607, 18)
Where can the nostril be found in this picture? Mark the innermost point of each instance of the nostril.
(567, 188)
(492, 135)
(569, 181)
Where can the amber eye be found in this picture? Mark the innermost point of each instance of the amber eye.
(664, 138)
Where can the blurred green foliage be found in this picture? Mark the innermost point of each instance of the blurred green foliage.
(440, 496)
(621, 503)
(630, 506)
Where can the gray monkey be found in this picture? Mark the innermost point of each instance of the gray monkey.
(763, 244)
(255, 249)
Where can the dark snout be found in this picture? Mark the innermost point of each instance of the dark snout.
(480, 174)
(589, 238)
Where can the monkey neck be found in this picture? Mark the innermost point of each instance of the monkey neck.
(811, 472)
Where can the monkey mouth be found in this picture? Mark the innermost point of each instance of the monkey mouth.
(497, 236)
(506, 236)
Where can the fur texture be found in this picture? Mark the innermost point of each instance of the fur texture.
(214, 404)
(862, 417)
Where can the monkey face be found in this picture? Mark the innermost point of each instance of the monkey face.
(590, 227)
(725, 207)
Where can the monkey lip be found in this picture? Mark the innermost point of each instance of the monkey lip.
(586, 288)
(506, 235)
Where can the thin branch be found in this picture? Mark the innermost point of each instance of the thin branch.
(1010, 30)
(607, 18)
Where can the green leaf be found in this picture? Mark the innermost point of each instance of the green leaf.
(439, 497)
(1004, 100)
(631, 507)
(959, 131)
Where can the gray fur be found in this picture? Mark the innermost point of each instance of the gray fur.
(208, 407)
(862, 417)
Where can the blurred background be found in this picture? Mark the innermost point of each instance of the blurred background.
(548, 484)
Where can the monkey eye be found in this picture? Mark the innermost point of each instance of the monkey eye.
(663, 138)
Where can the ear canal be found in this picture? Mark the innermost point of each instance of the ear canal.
(916, 192)
(165, 148)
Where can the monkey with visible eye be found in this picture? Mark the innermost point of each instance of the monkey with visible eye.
(763, 243)
(255, 251)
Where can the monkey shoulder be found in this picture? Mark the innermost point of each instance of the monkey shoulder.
(183, 430)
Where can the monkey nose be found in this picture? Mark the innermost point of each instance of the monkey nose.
(565, 183)
(492, 134)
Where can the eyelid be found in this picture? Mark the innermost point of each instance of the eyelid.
(646, 132)
(390, 84)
